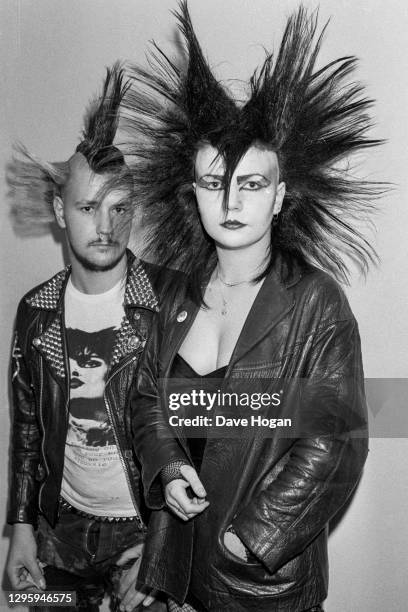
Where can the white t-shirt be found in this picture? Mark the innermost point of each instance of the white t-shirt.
(94, 480)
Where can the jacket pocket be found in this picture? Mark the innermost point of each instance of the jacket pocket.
(228, 554)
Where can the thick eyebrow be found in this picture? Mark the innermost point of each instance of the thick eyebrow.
(86, 202)
(218, 177)
(244, 177)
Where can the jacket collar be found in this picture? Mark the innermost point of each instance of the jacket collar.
(49, 294)
(138, 292)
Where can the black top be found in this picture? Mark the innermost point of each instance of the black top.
(209, 382)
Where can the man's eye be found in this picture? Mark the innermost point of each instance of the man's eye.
(87, 209)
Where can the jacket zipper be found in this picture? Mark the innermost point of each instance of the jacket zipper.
(108, 409)
(43, 429)
(66, 367)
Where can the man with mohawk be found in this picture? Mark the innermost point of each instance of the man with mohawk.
(75, 499)
(253, 202)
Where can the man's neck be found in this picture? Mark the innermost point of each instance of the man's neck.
(88, 281)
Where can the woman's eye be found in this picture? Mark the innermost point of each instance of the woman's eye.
(93, 363)
(252, 186)
(212, 185)
(216, 185)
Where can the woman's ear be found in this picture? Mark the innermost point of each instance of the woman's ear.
(280, 194)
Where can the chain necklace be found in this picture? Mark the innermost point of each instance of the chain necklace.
(233, 284)
(224, 308)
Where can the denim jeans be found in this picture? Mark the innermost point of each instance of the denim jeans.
(80, 554)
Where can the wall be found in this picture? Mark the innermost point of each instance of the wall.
(53, 57)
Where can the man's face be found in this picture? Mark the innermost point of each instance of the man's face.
(97, 227)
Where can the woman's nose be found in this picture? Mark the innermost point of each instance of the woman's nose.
(234, 199)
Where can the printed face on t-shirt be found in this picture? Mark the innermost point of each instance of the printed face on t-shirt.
(89, 356)
(88, 380)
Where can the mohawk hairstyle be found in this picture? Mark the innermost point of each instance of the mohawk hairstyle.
(101, 123)
(34, 183)
(312, 118)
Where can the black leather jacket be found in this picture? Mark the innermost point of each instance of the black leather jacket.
(279, 493)
(40, 382)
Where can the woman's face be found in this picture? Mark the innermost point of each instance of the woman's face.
(255, 196)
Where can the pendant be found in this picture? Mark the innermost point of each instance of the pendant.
(224, 310)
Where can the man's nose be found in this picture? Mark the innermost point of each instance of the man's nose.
(234, 202)
(104, 226)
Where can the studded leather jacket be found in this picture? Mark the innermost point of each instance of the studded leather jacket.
(40, 382)
(277, 491)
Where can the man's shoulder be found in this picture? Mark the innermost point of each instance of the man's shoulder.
(47, 294)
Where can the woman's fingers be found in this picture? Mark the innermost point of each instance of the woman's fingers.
(180, 503)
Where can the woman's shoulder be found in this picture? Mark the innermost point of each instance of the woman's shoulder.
(318, 293)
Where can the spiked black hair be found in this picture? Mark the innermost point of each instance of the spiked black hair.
(34, 183)
(101, 123)
(312, 118)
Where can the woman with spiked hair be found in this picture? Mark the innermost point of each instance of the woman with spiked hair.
(253, 203)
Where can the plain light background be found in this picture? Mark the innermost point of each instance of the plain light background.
(53, 55)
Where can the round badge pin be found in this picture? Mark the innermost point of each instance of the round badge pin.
(182, 316)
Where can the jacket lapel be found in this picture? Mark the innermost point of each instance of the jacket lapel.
(271, 304)
(50, 342)
(138, 294)
(176, 332)
(126, 341)
(139, 290)
(50, 345)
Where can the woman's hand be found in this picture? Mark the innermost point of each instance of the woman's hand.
(178, 499)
